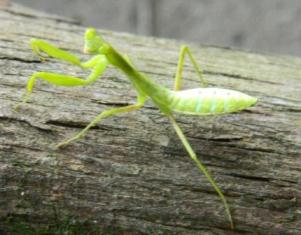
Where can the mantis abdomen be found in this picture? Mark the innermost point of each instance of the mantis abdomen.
(209, 101)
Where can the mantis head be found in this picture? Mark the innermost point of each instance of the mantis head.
(93, 41)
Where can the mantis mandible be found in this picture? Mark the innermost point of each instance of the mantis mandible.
(198, 101)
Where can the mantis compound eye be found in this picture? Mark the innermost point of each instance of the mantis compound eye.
(92, 41)
(90, 33)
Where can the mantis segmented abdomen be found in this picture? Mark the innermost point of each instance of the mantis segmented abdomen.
(209, 101)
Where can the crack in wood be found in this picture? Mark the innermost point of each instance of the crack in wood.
(12, 58)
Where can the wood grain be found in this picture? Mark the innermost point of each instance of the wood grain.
(131, 175)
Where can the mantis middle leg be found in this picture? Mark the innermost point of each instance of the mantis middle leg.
(102, 115)
(178, 80)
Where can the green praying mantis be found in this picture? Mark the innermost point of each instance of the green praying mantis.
(199, 101)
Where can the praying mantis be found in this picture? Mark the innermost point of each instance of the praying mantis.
(198, 101)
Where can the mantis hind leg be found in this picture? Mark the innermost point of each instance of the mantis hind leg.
(102, 115)
(201, 167)
(178, 80)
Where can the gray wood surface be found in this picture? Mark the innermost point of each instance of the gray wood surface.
(131, 175)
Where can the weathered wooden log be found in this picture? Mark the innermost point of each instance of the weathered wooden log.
(130, 174)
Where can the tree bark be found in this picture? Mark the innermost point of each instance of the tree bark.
(130, 174)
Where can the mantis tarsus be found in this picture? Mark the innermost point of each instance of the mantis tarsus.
(199, 101)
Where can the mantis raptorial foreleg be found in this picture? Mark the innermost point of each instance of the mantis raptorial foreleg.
(98, 64)
(178, 80)
(39, 46)
(202, 168)
(104, 114)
